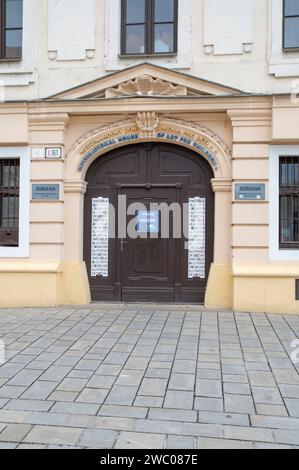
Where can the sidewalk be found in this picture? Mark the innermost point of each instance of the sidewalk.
(128, 376)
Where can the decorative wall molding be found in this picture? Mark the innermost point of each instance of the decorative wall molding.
(222, 186)
(147, 123)
(150, 127)
(75, 187)
(146, 85)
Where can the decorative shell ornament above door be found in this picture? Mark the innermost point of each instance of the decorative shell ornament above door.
(146, 86)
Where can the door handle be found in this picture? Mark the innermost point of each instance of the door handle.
(122, 245)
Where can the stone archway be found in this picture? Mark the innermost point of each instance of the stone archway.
(150, 127)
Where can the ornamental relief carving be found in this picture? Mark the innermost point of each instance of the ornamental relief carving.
(146, 85)
(151, 126)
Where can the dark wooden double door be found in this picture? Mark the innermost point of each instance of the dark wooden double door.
(149, 268)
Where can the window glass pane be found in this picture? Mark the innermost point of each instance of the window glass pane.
(135, 11)
(14, 13)
(164, 41)
(164, 11)
(291, 7)
(13, 44)
(135, 39)
(291, 32)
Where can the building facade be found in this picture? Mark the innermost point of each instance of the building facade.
(106, 104)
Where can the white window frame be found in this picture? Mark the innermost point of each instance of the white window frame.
(277, 254)
(21, 251)
(281, 63)
(113, 61)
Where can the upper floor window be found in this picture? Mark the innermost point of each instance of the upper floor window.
(291, 24)
(9, 202)
(11, 29)
(149, 27)
(289, 202)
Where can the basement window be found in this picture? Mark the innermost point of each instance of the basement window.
(9, 202)
(289, 202)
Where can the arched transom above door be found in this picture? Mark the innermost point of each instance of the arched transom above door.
(151, 126)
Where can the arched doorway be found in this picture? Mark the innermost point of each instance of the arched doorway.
(151, 266)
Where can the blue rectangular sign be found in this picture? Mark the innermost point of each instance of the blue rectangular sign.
(250, 192)
(48, 192)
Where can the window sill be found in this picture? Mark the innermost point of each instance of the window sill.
(290, 49)
(11, 60)
(145, 56)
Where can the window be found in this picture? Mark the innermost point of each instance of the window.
(9, 202)
(11, 29)
(289, 202)
(149, 27)
(291, 24)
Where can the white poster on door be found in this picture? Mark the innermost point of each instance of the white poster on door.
(100, 237)
(197, 238)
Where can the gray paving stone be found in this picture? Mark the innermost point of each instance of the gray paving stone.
(101, 381)
(150, 402)
(287, 377)
(261, 379)
(289, 391)
(209, 388)
(53, 435)
(130, 440)
(182, 382)
(29, 405)
(72, 385)
(233, 419)
(39, 390)
(292, 405)
(238, 404)
(130, 377)
(271, 410)
(157, 373)
(25, 378)
(209, 404)
(286, 437)
(267, 395)
(12, 416)
(76, 408)
(15, 432)
(98, 439)
(248, 434)
(180, 442)
(275, 422)
(183, 366)
(123, 411)
(209, 374)
(223, 444)
(237, 389)
(121, 395)
(92, 396)
(8, 391)
(153, 387)
(173, 415)
(179, 400)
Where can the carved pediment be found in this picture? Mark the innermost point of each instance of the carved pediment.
(146, 80)
(146, 85)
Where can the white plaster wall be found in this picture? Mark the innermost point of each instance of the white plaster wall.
(228, 26)
(71, 29)
(70, 42)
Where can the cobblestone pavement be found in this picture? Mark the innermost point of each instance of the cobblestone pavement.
(127, 376)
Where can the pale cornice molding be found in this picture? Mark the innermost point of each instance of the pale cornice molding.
(222, 185)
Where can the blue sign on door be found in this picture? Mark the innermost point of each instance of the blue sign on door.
(148, 222)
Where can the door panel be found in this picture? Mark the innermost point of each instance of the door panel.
(148, 263)
(147, 268)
